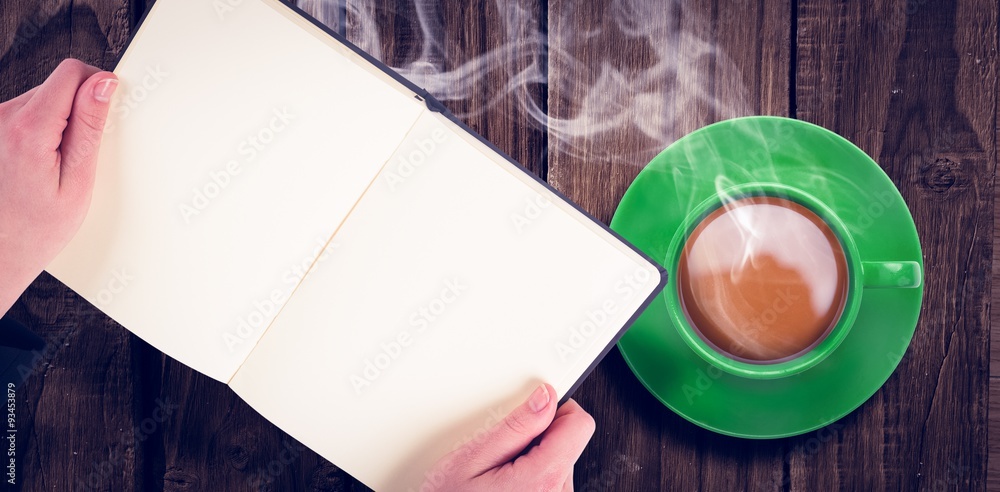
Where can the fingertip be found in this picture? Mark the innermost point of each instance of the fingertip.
(529, 419)
(103, 86)
(541, 398)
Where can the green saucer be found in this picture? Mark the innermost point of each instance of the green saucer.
(794, 153)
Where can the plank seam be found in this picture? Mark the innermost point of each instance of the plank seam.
(793, 56)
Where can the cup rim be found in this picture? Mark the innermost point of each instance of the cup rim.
(819, 350)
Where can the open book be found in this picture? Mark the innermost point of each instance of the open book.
(280, 212)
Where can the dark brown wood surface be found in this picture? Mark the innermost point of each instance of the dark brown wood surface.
(584, 94)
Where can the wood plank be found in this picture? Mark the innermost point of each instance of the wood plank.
(656, 73)
(80, 408)
(993, 465)
(820, 45)
(750, 76)
(604, 126)
(816, 48)
(993, 424)
(217, 442)
(495, 74)
(214, 440)
(914, 85)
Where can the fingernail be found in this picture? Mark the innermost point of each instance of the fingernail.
(539, 399)
(104, 89)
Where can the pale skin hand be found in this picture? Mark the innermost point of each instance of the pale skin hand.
(49, 138)
(497, 461)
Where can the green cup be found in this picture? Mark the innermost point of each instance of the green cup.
(861, 275)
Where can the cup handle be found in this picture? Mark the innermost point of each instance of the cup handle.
(892, 274)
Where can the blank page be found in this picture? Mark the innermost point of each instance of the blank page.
(455, 287)
(239, 141)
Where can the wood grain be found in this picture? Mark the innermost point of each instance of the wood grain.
(993, 465)
(914, 85)
(993, 426)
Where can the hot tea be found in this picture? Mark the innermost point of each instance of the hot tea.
(762, 279)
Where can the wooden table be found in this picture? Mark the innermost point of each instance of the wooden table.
(912, 82)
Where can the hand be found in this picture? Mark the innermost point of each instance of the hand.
(498, 461)
(49, 138)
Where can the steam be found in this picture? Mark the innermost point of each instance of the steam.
(597, 103)
(617, 87)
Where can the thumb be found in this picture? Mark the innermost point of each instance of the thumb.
(512, 435)
(84, 130)
(562, 444)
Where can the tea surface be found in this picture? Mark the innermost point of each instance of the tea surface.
(762, 279)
